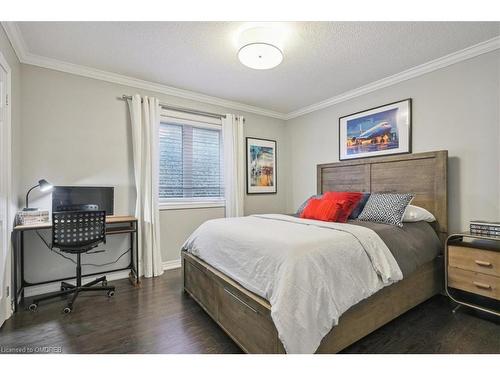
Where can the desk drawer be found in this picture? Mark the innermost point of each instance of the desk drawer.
(472, 259)
(474, 282)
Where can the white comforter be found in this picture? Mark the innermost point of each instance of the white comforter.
(310, 271)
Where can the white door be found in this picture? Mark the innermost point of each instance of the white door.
(4, 191)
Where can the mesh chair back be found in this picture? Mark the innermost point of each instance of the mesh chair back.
(78, 207)
(78, 231)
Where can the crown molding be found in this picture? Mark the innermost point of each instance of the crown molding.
(84, 71)
(16, 39)
(26, 57)
(442, 62)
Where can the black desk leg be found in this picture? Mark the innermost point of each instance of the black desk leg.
(16, 248)
(137, 251)
(23, 284)
(132, 256)
(134, 251)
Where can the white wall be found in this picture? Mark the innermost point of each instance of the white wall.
(76, 131)
(177, 225)
(456, 109)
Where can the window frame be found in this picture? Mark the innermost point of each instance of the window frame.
(180, 118)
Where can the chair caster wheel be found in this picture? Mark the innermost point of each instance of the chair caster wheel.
(67, 310)
(33, 307)
(111, 293)
(104, 283)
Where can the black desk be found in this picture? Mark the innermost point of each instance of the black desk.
(114, 225)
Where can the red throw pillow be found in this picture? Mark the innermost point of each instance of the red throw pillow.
(329, 210)
(351, 199)
(310, 210)
(321, 209)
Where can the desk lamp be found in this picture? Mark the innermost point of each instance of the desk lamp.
(44, 185)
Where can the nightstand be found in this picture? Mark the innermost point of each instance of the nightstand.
(472, 271)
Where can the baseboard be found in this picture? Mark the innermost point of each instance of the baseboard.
(171, 264)
(54, 287)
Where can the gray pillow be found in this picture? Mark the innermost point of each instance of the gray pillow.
(387, 208)
(304, 204)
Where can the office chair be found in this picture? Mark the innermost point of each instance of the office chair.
(77, 232)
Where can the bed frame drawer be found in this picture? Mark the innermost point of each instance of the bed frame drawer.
(474, 282)
(201, 287)
(248, 326)
(246, 319)
(472, 259)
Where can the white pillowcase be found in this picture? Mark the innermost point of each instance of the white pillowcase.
(415, 213)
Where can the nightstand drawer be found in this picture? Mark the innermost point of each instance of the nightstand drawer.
(474, 282)
(472, 259)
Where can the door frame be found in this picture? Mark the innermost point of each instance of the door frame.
(5, 301)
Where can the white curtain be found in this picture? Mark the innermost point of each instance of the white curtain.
(145, 120)
(234, 164)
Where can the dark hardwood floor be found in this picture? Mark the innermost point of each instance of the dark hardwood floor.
(159, 318)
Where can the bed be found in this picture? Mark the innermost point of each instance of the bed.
(246, 316)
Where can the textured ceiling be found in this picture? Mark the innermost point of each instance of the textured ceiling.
(322, 59)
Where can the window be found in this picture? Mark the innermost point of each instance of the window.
(190, 172)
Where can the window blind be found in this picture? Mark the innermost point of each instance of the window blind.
(190, 162)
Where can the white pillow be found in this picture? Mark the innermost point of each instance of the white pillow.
(415, 213)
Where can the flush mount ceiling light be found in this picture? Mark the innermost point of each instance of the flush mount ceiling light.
(261, 47)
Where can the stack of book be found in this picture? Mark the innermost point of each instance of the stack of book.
(485, 228)
(32, 217)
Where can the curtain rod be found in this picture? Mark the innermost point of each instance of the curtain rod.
(182, 109)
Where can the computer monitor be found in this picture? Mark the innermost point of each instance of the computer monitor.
(64, 197)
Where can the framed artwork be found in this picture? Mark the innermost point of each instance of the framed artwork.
(384, 130)
(261, 166)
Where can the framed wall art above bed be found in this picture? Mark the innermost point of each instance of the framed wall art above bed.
(261, 166)
(384, 130)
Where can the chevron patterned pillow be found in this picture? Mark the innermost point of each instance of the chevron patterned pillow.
(387, 208)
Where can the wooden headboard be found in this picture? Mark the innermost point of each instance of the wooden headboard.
(423, 174)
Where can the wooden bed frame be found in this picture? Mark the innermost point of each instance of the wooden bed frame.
(246, 317)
